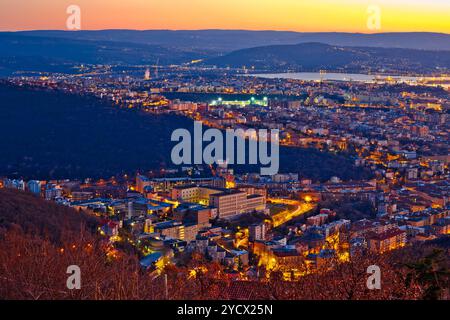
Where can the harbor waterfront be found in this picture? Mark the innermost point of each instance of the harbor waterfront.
(355, 77)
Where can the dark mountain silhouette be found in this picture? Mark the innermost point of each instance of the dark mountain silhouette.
(229, 40)
(54, 54)
(70, 136)
(316, 56)
(60, 51)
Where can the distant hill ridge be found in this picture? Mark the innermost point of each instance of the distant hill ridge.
(230, 40)
(60, 51)
(317, 56)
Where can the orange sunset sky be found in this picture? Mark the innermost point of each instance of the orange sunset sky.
(296, 15)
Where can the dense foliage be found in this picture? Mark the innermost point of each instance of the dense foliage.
(69, 136)
(33, 266)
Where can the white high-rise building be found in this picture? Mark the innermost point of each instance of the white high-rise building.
(147, 74)
(257, 232)
(34, 186)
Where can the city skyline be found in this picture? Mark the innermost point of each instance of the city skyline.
(187, 151)
(285, 15)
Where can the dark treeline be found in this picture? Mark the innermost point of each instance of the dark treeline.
(52, 135)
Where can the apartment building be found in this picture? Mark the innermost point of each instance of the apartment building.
(386, 241)
(235, 202)
(194, 193)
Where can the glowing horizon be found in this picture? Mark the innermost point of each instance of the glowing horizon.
(282, 15)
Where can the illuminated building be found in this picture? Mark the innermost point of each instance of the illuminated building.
(241, 103)
(52, 192)
(442, 226)
(34, 186)
(193, 213)
(111, 228)
(183, 106)
(194, 193)
(167, 184)
(177, 230)
(287, 258)
(335, 227)
(386, 241)
(139, 207)
(142, 182)
(249, 189)
(313, 240)
(81, 196)
(234, 258)
(257, 231)
(186, 193)
(288, 177)
(317, 220)
(14, 184)
(233, 203)
(228, 202)
(147, 74)
(215, 252)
